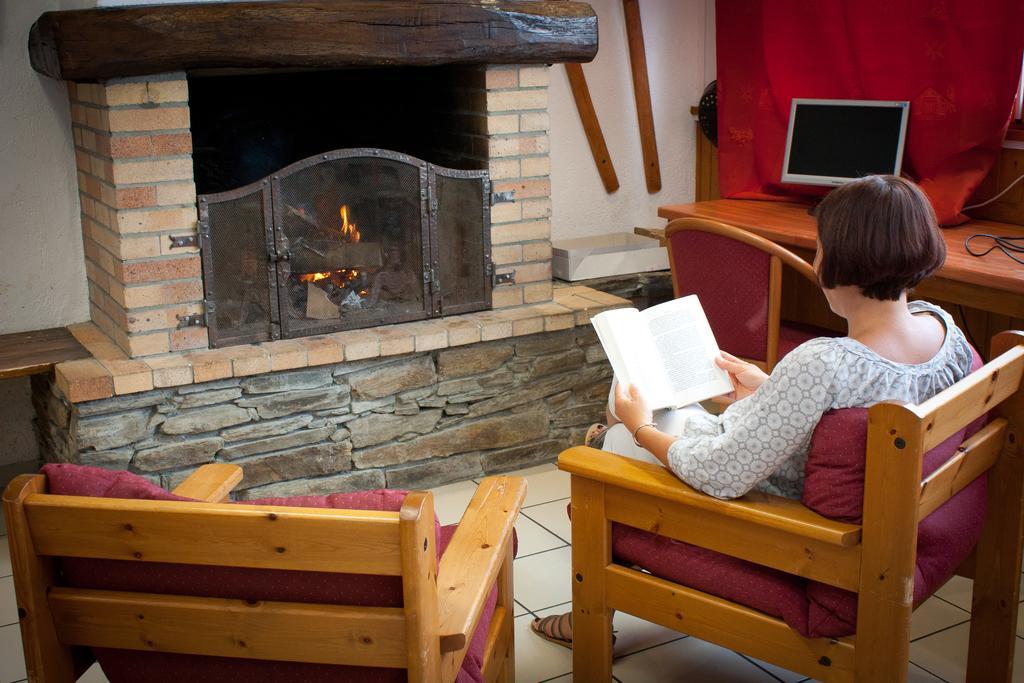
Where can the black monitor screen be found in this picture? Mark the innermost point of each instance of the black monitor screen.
(844, 141)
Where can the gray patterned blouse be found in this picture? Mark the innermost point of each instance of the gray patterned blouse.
(761, 441)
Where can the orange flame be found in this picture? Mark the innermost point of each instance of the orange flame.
(348, 230)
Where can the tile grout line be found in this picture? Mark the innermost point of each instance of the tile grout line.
(929, 672)
(743, 656)
(541, 552)
(567, 542)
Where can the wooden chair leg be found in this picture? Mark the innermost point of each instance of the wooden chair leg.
(994, 602)
(591, 554)
(507, 672)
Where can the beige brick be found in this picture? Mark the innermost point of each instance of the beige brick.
(506, 296)
(520, 232)
(84, 380)
(498, 147)
(180, 268)
(517, 100)
(531, 324)
(601, 298)
(210, 365)
(536, 208)
(147, 92)
(429, 335)
(94, 118)
(535, 166)
(537, 292)
(534, 121)
(130, 376)
(148, 344)
(125, 172)
(248, 360)
(159, 118)
(358, 344)
(165, 318)
(155, 220)
(533, 272)
(175, 193)
(143, 296)
(157, 145)
(498, 77)
(525, 189)
(498, 124)
(170, 371)
(533, 76)
(512, 253)
(501, 169)
(189, 338)
(395, 340)
(87, 333)
(493, 327)
(323, 351)
(537, 251)
(506, 212)
(136, 247)
(461, 331)
(286, 354)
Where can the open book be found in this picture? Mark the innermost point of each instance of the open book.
(667, 351)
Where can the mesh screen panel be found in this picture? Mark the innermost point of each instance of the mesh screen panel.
(460, 235)
(353, 228)
(236, 251)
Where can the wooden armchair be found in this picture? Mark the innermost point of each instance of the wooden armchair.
(428, 635)
(875, 560)
(738, 277)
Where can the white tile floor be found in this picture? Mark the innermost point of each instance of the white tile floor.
(646, 653)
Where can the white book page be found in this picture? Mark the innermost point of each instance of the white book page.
(683, 340)
(630, 351)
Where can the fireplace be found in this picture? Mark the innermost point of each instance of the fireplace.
(344, 240)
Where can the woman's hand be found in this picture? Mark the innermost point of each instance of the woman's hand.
(745, 377)
(631, 408)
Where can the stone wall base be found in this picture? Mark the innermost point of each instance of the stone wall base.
(410, 421)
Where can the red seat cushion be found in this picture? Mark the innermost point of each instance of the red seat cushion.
(241, 583)
(834, 487)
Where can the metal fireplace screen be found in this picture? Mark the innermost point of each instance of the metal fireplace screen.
(350, 239)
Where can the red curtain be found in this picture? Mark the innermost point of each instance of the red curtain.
(958, 62)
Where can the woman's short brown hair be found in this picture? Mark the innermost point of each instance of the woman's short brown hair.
(878, 233)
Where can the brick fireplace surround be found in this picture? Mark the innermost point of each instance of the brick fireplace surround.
(408, 405)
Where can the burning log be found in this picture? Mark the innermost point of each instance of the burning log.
(309, 256)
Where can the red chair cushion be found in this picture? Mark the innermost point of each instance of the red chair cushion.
(240, 583)
(834, 487)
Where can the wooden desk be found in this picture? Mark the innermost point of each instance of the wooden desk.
(993, 283)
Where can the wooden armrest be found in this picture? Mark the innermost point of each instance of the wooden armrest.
(210, 483)
(474, 556)
(764, 509)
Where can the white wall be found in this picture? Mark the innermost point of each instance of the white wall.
(42, 271)
(675, 41)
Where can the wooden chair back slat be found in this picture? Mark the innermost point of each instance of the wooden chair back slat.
(419, 586)
(728, 624)
(953, 409)
(265, 537)
(974, 458)
(788, 552)
(218, 627)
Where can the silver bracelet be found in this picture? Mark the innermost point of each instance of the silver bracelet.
(637, 430)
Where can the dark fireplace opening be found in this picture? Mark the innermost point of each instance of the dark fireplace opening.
(246, 127)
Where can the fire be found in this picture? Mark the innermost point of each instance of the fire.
(348, 230)
(349, 234)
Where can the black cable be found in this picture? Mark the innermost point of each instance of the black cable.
(967, 330)
(1007, 245)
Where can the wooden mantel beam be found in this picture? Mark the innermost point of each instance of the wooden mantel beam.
(85, 45)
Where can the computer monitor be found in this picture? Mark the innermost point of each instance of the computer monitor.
(831, 142)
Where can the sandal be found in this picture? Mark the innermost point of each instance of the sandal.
(595, 435)
(553, 628)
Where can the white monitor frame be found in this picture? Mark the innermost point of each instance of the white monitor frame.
(832, 181)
